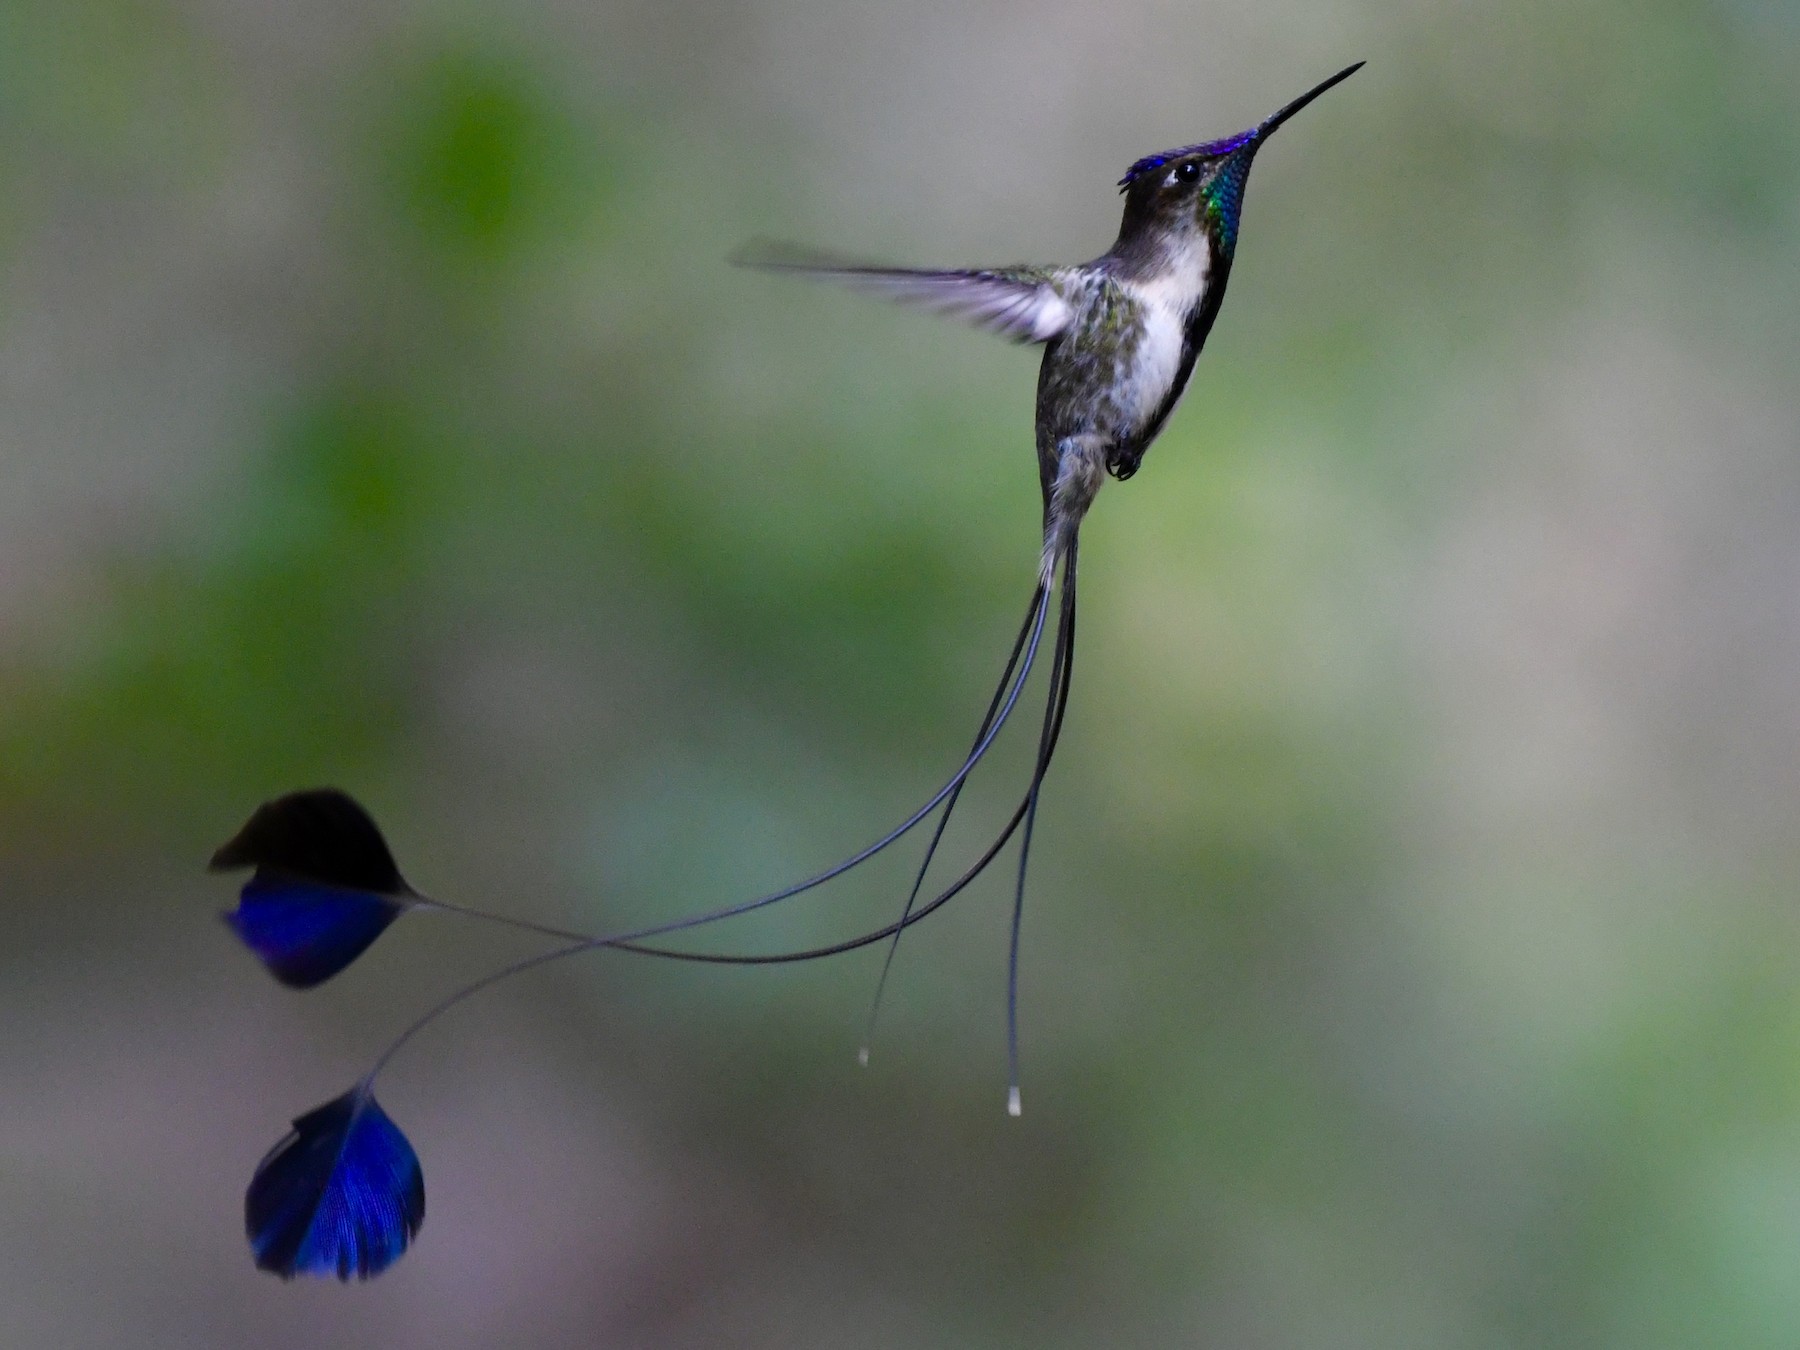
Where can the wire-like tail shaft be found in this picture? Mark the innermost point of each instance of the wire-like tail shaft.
(1030, 635)
(1062, 671)
(636, 940)
(937, 837)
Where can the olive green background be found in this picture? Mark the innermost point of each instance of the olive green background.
(1413, 949)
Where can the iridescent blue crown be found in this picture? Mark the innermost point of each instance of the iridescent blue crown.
(1149, 163)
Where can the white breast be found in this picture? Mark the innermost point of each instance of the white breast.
(1167, 301)
(1158, 359)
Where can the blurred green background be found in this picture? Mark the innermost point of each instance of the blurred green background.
(1412, 955)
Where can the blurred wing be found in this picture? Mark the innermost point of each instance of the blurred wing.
(1026, 304)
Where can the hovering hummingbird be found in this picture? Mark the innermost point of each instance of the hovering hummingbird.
(1120, 337)
(343, 1194)
(1120, 333)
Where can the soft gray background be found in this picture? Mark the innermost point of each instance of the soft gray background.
(1412, 954)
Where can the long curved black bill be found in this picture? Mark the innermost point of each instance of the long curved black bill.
(1269, 124)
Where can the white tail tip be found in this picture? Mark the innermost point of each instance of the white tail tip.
(1013, 1106)
(862, 1056)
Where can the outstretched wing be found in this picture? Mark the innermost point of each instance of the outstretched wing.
(1026, 304)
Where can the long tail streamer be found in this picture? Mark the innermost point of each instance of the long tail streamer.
(343, 1194)
(636, 940)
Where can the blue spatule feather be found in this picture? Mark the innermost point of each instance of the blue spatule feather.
(304, 932)
(342, 1195)
(325, 885)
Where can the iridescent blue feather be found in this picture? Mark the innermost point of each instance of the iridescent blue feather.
(1150, 163)
(342, 1195)
(324, 888)
(305, 932)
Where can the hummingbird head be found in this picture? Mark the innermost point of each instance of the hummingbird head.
(1198, 190)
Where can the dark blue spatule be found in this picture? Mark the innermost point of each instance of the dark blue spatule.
(341, 1195)
(324, 888)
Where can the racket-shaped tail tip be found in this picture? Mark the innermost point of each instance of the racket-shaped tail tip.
(324, 887)
(304, 933)
(342, 1195)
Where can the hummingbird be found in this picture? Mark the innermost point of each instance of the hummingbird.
(343, 1194)
(1120, 333)
(1120, 336)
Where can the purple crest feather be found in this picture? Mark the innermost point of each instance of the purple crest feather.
(1150, 163)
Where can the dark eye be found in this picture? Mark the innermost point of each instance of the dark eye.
(1187, 173)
